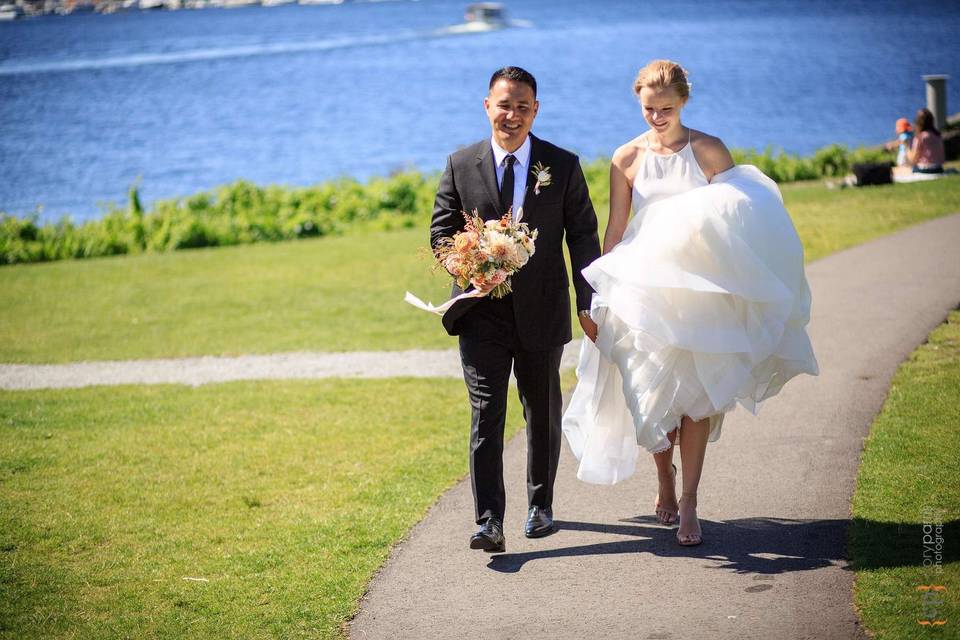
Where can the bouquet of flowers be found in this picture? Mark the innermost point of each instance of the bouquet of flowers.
(487, 253)
(483, 254)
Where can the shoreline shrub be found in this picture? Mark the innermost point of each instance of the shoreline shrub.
(243, 213)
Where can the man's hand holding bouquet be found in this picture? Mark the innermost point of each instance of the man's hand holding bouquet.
(484, 255)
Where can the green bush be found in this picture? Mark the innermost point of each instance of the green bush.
(243, 213)
(831, 161)
(237, 213)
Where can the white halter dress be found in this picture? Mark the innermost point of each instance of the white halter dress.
(702, 305)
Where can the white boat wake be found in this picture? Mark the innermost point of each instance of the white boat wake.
(219, 53)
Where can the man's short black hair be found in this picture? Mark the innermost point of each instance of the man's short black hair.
(517, 75)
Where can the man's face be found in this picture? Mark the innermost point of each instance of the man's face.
(511, 108)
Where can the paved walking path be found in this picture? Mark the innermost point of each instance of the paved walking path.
(212, 369)
(774, 501)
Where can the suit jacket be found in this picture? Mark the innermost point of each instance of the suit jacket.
(541, 299)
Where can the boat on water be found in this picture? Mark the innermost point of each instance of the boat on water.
(481, 16)
(10, 12)
(490, 13)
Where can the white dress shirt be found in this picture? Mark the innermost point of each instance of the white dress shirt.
(521, 169)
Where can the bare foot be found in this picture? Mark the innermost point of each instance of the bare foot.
(666, 506)
(689, 533)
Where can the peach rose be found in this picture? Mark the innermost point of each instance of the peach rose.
(453, 264)
(498, 277)
(466, 241)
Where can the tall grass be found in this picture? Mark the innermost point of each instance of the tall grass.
(244, 213)
(829, 161)
(237, 213)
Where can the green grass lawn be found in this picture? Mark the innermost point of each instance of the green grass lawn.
(243, 510)
(909, 478)
(330, 294)
(831, 220)
(284, 496)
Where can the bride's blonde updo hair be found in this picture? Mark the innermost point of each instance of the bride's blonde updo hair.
(660, 74)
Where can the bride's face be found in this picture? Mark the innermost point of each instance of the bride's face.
(661, 108)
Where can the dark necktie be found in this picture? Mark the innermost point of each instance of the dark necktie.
(506, 186)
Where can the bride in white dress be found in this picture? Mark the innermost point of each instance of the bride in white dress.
(701, 303)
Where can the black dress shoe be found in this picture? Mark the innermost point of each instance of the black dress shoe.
(539, 523)
(489, 537)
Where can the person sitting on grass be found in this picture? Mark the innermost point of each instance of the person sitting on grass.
(904, 141)
(926, 154)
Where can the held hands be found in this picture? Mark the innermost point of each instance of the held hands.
(589, 327)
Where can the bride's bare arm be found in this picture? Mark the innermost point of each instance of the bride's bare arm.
(620, 194)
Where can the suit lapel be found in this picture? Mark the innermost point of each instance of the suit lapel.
(488, 176)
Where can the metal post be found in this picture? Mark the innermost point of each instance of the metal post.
(937, 98)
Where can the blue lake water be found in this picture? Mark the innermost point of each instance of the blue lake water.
(186, 100)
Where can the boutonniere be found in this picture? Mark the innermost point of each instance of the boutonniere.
(542, 174)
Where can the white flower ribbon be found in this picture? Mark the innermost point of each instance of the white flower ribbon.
(442, 309)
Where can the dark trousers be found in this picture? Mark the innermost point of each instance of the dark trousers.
(489, 347)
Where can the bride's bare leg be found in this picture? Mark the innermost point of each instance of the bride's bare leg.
(693, 448)
(666, 504)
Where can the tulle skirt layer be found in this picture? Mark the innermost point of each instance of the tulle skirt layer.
(702, 305)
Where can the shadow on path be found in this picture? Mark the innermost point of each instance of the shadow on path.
(759, 545)
(749, 545)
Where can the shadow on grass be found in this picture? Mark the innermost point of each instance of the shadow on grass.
(751, 545)
(879, 545)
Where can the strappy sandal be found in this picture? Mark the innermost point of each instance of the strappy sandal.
(689, 539)
(665, 516)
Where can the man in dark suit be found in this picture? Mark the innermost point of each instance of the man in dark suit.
(527, 328)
